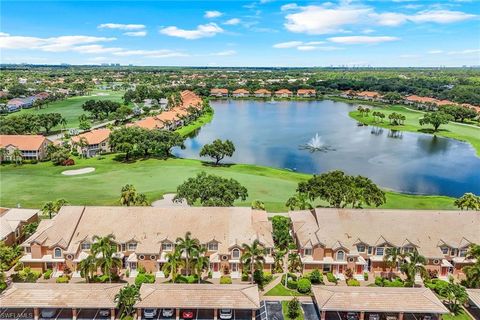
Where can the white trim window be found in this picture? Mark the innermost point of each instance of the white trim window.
(408, 249)
(167, 246)
(57, 253)
(236, 253)
(307, 252)
(213, 246)
(462, 252)
(445, 250)
(361, 248)
(380, 251)
(86, 246)
(132, 246)
(340, 255)
(123, 247)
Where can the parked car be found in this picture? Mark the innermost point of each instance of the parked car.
(391, 318)
(427, 317)
(188, 314)
(104, 313)
(167, 313)
(149, 313)
(48, 313)
(226, 314)
(373, 316)
(351, 316)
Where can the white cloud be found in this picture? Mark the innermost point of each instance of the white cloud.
(362, 39)
(135, 33)
(466, 51)
(224, 53)
(440, 16)
(95, 48)
(121, 26)
(435, 51)
(289, 6)
(232, 22)
(289, 44)
(306, 48)
(202, 31)
(52, 44)
(390, 19)
(212, 14)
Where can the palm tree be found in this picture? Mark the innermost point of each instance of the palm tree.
(17, 156)
(87, 267)
(59, 204)
(3, 153)
(253, 255)
(415, 265)
(472, 272)
(105, 248)
(392, 258)
(82, 143)
(187, 246)
(49, 208)
(128, 196)
(126, 298)
(174, 262)
(294, 262)
(201, 262)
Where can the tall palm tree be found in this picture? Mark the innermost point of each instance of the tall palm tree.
(472, 272)
(294, 262)
(201, 262)
(415, 265)
(254, 256)
(187, 246)
(393, 256)
(105, 248)
(57, 205)
(128, 195)
(17, 156)
(48, 208)
(174, 262)
(126, 298)
(87, 267)
(82, 143)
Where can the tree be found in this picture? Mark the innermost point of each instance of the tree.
(472, 272)
(393, 97)
(87, 267)
(104, 248)
(201, 262)
(456, 296)
(3, 154)
(253, 256)
(187, 246)
(218, 150)
(415, 264)
(49, 208)
(436, 119)
(174, 262)
(29, 229)
(293, 309)
(211, 191)
(459, 113)
(468, 201)
(49, 120)
(17, 156)
(392, 258)
(281, 232)
(294, 262)
(126, 140)
(298, 201)
(130, 197)
(126, 299)
(122, 113)
(59, 156)
(84, 123)
(258, 205)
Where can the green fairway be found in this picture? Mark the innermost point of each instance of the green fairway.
(453, 130)
(32, 185)
(71, 108)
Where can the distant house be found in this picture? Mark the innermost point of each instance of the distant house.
(12, 222)
(283, 93)
(240, 93)
(14, 105)
(421, 102)
(42, 95)
(28, 102)
(369, 95)
(306, 93)
(97, 140)
(262, 93)
(216, 92)
(32, 147)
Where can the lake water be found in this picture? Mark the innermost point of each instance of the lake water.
(271, 134)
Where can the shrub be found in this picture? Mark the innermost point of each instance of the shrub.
(304, 285)
(26, 275)
(365, 276)
(225, 280)
(127, 273)
(353, 283)
(379, 281)
(437, 285)
(62, 279)
(48, 274)
(293, 308)
(18, 266)
(180, 279)
(258, 278)
(192, 278)
(245, 276)
(144, 278)
(394, 283)
(316, 277)
(292, 284)
(349, 273)
(331, 278)
(101, 279)
(141, 269)
(267, 277)
(210, 275)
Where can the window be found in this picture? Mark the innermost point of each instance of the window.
(212, 246)
(444, 250)
(462, 253)
(380, 251)
(370, 250)
(167, 246)
(153, 257)
(28, 250)
(454, 252)
(57, 253)
(235, 253)
(361, 248)
(340, 255)
(132, 246)
(123, 247)
(86, 246)
(408, 249)
(17, 233)
(307, 252)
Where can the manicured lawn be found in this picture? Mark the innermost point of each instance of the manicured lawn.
(285, 312)
(30, 185)
(453, 130)
(200, 122)
(71, 108)
(461, 316)
(280, 290)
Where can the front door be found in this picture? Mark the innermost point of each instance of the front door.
(340, 269)
(359, 269)
(444, 271)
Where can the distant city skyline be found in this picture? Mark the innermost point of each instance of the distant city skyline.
(263, 33)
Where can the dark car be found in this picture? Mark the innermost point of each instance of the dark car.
(351, 316)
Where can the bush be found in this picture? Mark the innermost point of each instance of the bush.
(26, 275)
(18, 266)
(48, 274)
(267, 277)
(382, 282)
(331, 278)
(144, 278)
(292, 284)
(365, 276)
(101, 279)
(127, 273)
(293, 308)
(225, 280)
(258, 278)
(353, 283)
(304, 285)
(316, 277)
(62, 279)
(437, 285)
(245, 276)
(379, 281)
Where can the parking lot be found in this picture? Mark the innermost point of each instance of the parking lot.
(406, 316)
(310, 312)
(206, 314)
(58, 314)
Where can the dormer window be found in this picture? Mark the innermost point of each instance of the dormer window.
(380, 251)
(132, 246)
(444, 250)
(57, 253)
(86, 245)
(167, 246)
(235, 253)
(213, 246)
(340, 255)
(462, 253)
(307, 252)
(408, 249)
(361, 248)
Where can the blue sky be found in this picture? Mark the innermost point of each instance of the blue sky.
(242, 33)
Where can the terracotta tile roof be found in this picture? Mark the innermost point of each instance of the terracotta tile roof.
(11, 219)
(241, 91)
(93, 137)
(148, 123)
(60, 295)
(306, 91)
(202, 296)
(377, 299)
(369, 94)
(262, 91)
(16, 102)
(282, 91)
(23, 142)
(219, 90)
(419, 99)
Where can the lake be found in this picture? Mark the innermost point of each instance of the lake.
(272, 134)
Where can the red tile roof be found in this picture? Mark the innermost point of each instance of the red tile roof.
(306, 91)
(23, 142)
(93, 137)
(219, 90)
(282, 91)
(241, 91)
(262, 91)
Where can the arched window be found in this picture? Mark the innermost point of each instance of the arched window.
(57, 253)
(340, 255)
(235, 253)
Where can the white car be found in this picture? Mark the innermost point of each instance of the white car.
(48, 313)
(149, 313)
(104, 313)
(226, 314)
(167, 313)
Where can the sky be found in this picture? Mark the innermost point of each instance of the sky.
(253, 33)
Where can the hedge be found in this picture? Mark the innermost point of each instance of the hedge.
(48, 274)
(353, 283)
(331, 278)
(304, 285)
(225, 280)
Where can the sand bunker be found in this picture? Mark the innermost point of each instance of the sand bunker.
(78, 171)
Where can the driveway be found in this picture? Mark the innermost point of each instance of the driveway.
(274, 310)
(310, 311)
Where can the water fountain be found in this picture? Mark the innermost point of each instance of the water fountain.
(316, 144)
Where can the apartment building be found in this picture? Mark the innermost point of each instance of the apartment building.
(32, 147)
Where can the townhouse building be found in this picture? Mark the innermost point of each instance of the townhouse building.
(97, 141)
(12, 222)
(283, 93)
(334, 240)
(262, 93)
(306, 93)
(240, 93)
(145, 235)
(32, 147)
(219, 92)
